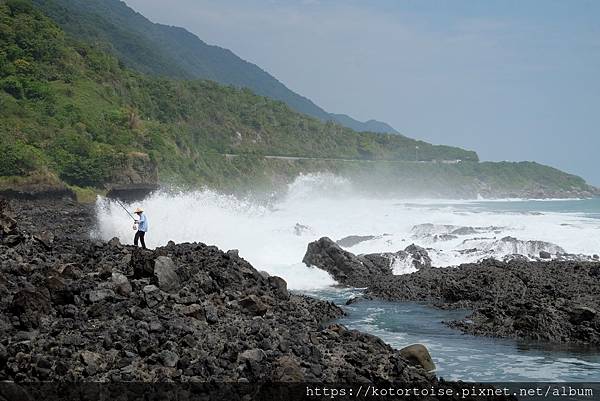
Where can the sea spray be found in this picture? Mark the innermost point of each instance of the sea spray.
(273, 235)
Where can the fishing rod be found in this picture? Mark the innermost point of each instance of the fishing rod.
(126, 211)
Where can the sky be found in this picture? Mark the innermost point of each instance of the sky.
(510, 79)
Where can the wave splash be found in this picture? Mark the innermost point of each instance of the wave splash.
(273, 235)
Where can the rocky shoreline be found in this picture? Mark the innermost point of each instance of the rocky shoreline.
(554, 301)
(73, 309)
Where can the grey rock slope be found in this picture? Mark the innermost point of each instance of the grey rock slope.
(74, 309)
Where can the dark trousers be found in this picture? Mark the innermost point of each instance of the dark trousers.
(139, 236)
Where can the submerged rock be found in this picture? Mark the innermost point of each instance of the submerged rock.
(300, 229)
(351, 240)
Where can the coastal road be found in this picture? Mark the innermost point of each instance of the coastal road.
(233, 155)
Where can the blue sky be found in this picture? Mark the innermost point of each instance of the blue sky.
(513, 80)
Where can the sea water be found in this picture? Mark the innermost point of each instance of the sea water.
(273, 236)
(461, 356)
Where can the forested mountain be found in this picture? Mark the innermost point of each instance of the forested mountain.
(176, 53)
(72, 110)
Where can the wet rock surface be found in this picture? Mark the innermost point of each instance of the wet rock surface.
(548, 301)
(77, 309)
(555, 300)
(359, 270)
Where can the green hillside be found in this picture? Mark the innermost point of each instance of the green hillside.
(173, 52)
(70, 110)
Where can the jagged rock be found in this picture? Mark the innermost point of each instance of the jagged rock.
(193, 310)
(30, 305)
(582, 314)
(545, 255)
(252, 355)
(280, 286)
(360, 270)
(253, 305)
(211, 313)
(344, 266)
(420, 256)
(121, 284)
(152, 295)
(168, 358)
(115, 243)
(418, 354)
(46, 238)
(165, 274)
(465, 231)
(287, 369)
(353, 300)
(90, 358)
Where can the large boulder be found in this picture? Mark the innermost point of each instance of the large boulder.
(165, 274)
(31, 305)
(279, 285)
(287, 369)
(152, 295)
(361, 270)
(344, 266)
(418, 355)
(253, 305)
(419, 255)
(121, 284)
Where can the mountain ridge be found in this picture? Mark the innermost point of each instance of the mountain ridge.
(175, 52)
(73, 114)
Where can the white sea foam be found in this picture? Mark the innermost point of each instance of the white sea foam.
(274, 237)
(403, 265)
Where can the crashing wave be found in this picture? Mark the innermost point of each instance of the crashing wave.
(510, 246)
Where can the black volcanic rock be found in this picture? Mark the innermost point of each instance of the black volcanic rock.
(549, 301)
(360, 270)
(216, 318)
(554, 301)
(344, 266)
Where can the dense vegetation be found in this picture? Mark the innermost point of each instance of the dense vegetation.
(73, 109)
(70, 111)
(176, 53)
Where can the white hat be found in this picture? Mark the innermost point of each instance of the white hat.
(139, 210)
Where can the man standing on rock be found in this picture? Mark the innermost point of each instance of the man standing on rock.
(141, 227)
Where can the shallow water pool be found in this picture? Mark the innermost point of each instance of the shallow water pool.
(464, 357)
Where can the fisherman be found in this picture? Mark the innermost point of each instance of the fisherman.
(141, 227)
